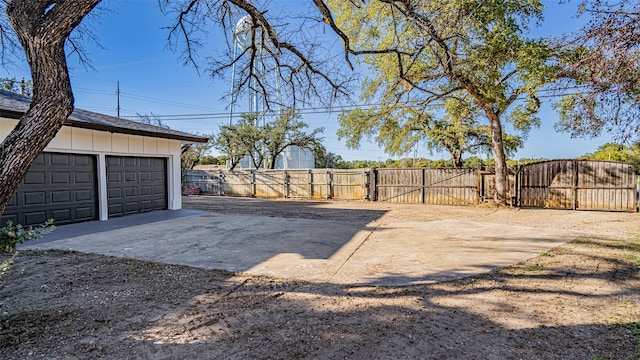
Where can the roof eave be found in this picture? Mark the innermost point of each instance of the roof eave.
(112, 129)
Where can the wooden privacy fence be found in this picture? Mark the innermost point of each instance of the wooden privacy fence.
(298, 183)
(558, 184)
(579, 185)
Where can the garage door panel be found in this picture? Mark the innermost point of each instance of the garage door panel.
(83, 195)
(61, 215)
(36, 217)
(83, 178)
(159, 205)
(34, 198)
(34, 178)
(49, 191)
(60, 159)
(60, 178)
(115, 210)
(113, 161)
(146, 205)
(131, 207)
(9, 217)
(158, 190)
(145, 176)
(114, 193)
(114, 178)
(140, 185)
(82, 160)
(85, 213)
(61, 196)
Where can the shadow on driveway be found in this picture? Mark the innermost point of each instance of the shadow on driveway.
(309, 241)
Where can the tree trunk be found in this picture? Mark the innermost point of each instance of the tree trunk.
(42, 26)
(498, 156)
(456, 156)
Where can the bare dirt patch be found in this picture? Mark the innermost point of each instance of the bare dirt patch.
(580, 300)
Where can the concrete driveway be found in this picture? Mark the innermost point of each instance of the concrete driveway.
(333, 251)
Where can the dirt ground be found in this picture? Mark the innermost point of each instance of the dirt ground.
(580, 300)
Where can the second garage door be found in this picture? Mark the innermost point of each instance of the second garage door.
(135, 184)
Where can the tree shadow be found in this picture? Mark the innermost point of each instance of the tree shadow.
(179, 312)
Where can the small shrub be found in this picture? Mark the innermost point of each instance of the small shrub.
(11, 235)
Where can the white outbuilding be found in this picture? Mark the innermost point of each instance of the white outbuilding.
(97, 167)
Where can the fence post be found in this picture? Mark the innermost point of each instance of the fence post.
(517, 186)
(423, 191)
(574, 192)
(287, 186)
(327, 193)
(310, 184)
(373, 179)
(253, 185)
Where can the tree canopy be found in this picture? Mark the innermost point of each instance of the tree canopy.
(427, 56)
(601, 72)
(264, 144)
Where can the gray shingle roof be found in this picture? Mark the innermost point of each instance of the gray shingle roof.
(13, 105)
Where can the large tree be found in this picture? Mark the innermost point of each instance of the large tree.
(422, 53)
(42, 29)
(264, 144)
(241, 139)
(602, 71)
(399, 127)
(285, 131)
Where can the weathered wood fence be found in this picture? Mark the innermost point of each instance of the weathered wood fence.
(579, 185)
(298, 183)
(561, 184)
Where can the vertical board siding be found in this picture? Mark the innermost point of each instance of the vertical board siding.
(606, 185)
(399, 185)
(558, 184)
(298, 183)
(349, 184)
(579, 185)
(270, 184)
(428, 186)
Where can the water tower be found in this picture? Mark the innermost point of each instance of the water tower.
(293, 157)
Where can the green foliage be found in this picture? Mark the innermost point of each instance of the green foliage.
(264, 144)
(285, 131)
(237, 140)
(602, 62)
(13, 234)
(327, 160)
(191, 153)
(437, 68)
(618, 152)
(211, 160)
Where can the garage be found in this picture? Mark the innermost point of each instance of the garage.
(58, 186)
(97, 167)
(135, 185)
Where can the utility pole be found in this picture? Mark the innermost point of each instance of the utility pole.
(118, 97)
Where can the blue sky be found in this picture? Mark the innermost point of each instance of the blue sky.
(153, 80)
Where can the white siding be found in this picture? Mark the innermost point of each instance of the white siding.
(81, 139)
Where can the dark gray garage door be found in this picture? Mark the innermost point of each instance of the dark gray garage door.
(58, 186)
(136, 184)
